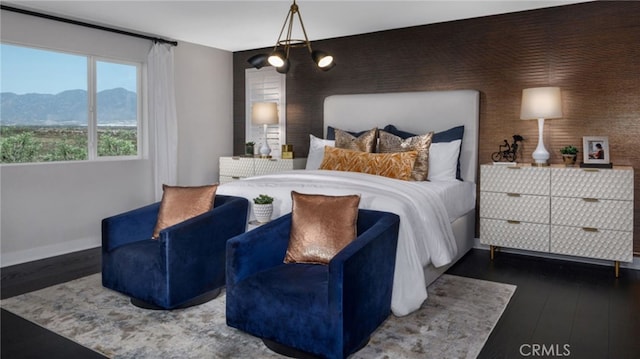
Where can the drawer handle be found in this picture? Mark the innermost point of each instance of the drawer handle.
(513, 167)
(591, 170)
(589, 229)
(510, 221)
(590, 199)
(513, 194)
(273, 159)
(235, 158)
(235, 177)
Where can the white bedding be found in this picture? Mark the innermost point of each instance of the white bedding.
(459, 197)
(425, 227)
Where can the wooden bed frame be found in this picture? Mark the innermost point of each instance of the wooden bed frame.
(418, 112)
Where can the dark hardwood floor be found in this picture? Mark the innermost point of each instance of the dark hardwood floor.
(22, 339)
(567, 309)
(560, 309)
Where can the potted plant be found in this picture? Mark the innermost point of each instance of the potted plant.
(248, 148)
(569, 154)
(263, 208)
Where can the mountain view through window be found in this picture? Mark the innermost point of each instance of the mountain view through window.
(64, 107)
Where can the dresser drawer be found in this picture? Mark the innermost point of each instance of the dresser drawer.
(272, 165)
(236, 166)
(592, 183)
(526, 208)
(225, 179)
(601, 244)
(522, 235)
(523, 180)
(595, 213)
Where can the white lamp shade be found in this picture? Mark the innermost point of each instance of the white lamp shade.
(541, 102)
(264, 113)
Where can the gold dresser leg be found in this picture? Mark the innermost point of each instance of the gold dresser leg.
(617, 266)
(491, 250)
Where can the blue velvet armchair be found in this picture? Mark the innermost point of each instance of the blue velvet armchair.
(299, 309)
(184, 266)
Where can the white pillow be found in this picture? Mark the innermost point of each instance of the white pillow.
(443, 160)
(316, 151)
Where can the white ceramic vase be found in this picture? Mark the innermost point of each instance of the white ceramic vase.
(263, 212)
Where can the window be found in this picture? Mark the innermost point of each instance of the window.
(266, 85)
(58, 106)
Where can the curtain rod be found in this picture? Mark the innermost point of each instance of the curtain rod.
(85, 24)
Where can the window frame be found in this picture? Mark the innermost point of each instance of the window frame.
(92, 94)
(93, 114)
(266, 85)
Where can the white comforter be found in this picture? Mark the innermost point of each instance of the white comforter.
(425, 231)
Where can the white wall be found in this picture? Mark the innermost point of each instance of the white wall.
(48, 209)
(204, 102)
(55, 208)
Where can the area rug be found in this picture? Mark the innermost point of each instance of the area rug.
(454, 322)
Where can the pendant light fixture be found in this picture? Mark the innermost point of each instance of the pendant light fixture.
(279, 57)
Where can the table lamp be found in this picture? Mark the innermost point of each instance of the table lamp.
(541, 103)
(264, 113)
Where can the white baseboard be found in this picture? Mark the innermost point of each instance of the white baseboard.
(635, 265)
(34, 254)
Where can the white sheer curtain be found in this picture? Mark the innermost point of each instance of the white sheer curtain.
(162, 116)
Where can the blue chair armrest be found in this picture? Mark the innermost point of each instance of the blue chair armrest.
(207, 231)
(129, 227)
(191, 246)
(257, 250)
(361, 275)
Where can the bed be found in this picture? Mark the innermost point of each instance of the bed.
(437, 217)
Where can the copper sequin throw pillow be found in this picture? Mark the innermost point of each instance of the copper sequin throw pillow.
(390, 143)
(181, 203)
(321, 226)
(365, 142)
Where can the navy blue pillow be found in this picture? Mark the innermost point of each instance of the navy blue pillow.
(449, 135)
(331, 133)
(452, 134)
(402, 134)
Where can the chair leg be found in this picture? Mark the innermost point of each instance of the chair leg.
(288, 351)
(297, 353)
(201, 299)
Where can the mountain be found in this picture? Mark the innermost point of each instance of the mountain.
(69, 108)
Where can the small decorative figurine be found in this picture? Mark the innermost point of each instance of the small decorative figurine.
(506, 152)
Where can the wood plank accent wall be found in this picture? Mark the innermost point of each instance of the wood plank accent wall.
(590, 50)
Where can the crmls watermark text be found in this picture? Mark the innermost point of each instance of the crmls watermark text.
(545, 350)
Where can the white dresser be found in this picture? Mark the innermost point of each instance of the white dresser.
(561, 210)
(235, 168)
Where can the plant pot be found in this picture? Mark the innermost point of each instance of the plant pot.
(569, 160)
(263, 212)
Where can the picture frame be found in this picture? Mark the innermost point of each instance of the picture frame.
(595, 149)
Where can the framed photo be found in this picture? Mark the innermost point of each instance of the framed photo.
(595, 149)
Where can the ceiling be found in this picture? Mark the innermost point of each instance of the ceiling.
(243, 25)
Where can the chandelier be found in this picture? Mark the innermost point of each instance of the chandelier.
(279, 57)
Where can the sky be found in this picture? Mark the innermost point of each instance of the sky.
(26, 70)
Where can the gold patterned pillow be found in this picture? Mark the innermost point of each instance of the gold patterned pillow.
(365, 142)
(392, 143)
(394, 165)
(321, 226)
(182, 203)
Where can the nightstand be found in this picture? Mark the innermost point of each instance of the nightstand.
(581, 212)
(236, 167)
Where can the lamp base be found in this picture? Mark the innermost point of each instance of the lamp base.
(540, 155)
(265, 150)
